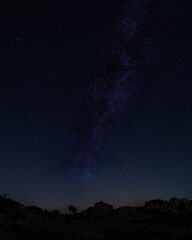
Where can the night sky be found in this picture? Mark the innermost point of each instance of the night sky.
(95, 101)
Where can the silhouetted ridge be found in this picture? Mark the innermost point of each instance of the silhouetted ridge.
(157, 219)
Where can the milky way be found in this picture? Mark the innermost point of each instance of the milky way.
(112, 91)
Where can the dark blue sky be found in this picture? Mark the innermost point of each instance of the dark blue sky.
(95, 101)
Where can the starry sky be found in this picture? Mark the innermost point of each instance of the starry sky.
(95, 101)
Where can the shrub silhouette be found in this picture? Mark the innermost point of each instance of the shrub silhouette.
(73, 209)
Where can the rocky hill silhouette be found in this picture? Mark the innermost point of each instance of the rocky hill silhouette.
(157, 219)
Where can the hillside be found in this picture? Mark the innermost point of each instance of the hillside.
(157, 219)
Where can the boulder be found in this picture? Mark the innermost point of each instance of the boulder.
(99, 209)
(156, 204)
(124, 211)
(179, 203)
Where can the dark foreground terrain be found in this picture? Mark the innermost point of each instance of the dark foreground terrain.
(156, 220)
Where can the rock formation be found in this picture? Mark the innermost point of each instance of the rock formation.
(99, 209)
